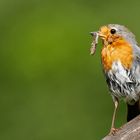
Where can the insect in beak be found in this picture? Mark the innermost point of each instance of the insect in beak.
(94, 43)
(92, 33)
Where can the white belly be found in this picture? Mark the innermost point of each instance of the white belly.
(121, 83)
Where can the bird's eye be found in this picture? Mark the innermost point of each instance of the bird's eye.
(112, 31)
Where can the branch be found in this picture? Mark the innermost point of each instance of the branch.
(129, 131)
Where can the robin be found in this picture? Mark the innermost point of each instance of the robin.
(120, 57)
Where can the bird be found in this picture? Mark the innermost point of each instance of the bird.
(120, 59)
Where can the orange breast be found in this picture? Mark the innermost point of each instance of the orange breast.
(119, 50)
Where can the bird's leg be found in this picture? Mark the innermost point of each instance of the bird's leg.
(113, 129)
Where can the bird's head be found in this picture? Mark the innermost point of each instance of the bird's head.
(113, 33)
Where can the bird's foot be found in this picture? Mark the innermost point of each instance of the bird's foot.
(113, 131)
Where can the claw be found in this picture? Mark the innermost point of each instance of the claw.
(113, 131)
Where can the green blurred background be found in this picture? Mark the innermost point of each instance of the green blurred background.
(50, 87)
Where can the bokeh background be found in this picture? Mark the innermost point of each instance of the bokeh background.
(50, 87)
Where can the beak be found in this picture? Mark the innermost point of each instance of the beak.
(102, 36)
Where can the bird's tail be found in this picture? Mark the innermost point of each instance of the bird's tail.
(133, 110)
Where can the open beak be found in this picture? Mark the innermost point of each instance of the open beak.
(102, 36)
